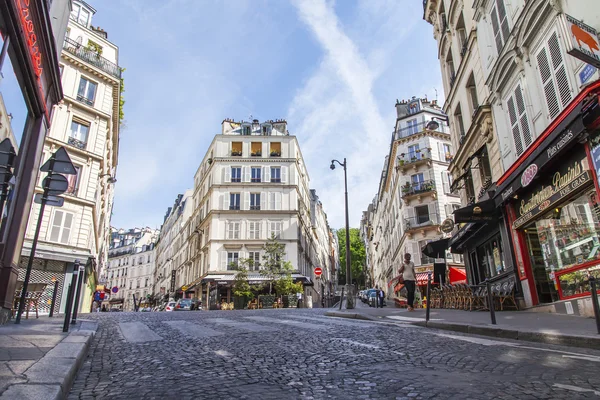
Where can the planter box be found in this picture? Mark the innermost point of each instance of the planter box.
(267, 300)
(290, 301)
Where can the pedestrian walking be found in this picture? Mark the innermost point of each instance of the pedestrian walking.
(407, 270)
(381, 296)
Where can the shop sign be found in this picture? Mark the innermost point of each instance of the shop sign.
(595, 153)
(528, 175)
(564, 182)
(583, 43)
(173, 281)
(586, 73)
(447, 225)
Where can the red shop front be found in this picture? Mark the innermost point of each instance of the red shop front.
(550, 202)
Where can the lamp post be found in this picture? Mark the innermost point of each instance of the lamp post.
(433, 124)
(349, 291)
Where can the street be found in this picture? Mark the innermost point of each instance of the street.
(300, 353)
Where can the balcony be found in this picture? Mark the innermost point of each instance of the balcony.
(77, 143)
(411, 189)
(91, 57)
(421, 223)
(418, 128)
(256, 154)
(236, 153)
(275, 153)
(85, 100)
(414, 159)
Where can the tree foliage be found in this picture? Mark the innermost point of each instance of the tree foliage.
(241, 287)
(121, 98)
(284, 284)
(273, 265)
(357, 256)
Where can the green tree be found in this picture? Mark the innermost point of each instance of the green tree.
(284, 284)
(241, 287)
(273, 265)
(357, 256)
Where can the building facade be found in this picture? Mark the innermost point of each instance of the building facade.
(251, 185)
(414, 194)
(34, 65)
(86, 124)
(130, 268)
(539, 64)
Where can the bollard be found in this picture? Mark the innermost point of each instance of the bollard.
(428, 304)
(77, 293)
(68, 308)
(341, 299)
(491, 301)
(594, 293)
(54, 293)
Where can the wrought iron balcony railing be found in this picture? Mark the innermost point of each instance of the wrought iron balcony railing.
(421, 221)
(77, 143)
(85, 100)
(412, 188)
(418, 128)
(91, 57)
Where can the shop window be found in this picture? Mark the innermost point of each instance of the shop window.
(490, 259)
(562, 240)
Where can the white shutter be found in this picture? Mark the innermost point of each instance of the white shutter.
(445, 182)
(433, 217)
(246, 201)
(448, 210)
(271, 201)
(441, 151)
(56, 224)
(496, 29)
(246, 172)
(223, 261)
(226, 201)
(284, 171)
(66, 229)
(553, 75)
(278, 201)
(263, 200)
(411, 220)
(416, 253)
(503, 19)
(267, 174)
(519, 121)
(226, 174)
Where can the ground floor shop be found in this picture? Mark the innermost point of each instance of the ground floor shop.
(549, 199)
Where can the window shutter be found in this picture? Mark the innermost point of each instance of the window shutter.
(66, 231)
(524, 124)
(246, 177)
(416, 253)
(433, 217)
(512, 113)
(441, 151)
(562, 82)
(284, 171)
(496, 29)
(223, 261)
(246, 201)
(410, 211)
(226, 201)
(503, 20)
(445, 182)
(278, 201)
(263, 200)
(267, 174)
(56, 224)
(226, 174)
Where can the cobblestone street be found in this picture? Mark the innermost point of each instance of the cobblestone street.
(281, 354)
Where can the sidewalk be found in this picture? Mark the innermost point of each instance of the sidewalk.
(39, 361)
(522, 325)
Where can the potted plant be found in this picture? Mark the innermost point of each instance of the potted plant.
(275, 153)
(256, 154)
(236, 153)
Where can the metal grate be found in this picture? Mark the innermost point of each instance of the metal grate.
(42, 272)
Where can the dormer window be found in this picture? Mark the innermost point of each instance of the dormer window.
(266, 129)
(246, 130)
(80, 15)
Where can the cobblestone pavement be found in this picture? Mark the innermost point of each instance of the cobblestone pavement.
(301, 354)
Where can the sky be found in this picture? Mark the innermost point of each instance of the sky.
(332, 69)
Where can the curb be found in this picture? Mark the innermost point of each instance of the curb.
(52, 376)
(589, 342)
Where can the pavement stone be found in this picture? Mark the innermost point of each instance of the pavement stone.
(37, 392)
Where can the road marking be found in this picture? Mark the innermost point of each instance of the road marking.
(576, 389)
(249, 326)
(193, 330)
(137, 332)
(287, 322)
(476, 340)
(335, 320)
(355, 343)
(223, 353)
(411, 319)
(586, 358)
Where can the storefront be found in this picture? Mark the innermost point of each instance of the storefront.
(30, 88)
(550, 198)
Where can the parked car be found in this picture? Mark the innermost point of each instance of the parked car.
(372, 298)
(183, 305)
(196, 304)
(368, 295)
(170, 306)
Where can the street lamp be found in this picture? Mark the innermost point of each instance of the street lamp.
(109, 180)
(433, 124)
(349, 291)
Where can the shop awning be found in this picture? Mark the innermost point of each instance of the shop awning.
(482, 211)
(561, 134)
(457, 275)
(464, 233)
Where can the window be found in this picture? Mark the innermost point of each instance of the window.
(274, 201)
(255, 201)
(73, 182)
(233, 230)
(256, 174)
(246, 130)
(256, 149)
(472, 92)
(275, 229)
(266, 130)
(234, 201)
(79, 134)
(87, 91)
(413, 152)
(519, 122)
(417, 181)
(254, 260)
(485, 170)
(236, 149)
(412, 127)
(447, 152)
(500, 24)
(469, 189)
(146, 282)
(422, 214)
(236, 174)
(61, 227)
(233, 258)
(275, 149)
(553, 75)
(450, 69)
(446, 181)
(254, 229)
(80, 14)
(61, 68)
(459, 122)
(276, 174)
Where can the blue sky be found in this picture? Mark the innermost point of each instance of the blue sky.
(333, 70)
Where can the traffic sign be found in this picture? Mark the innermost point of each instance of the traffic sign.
(115, 289)
(7, 153)
(57, 184)
(318, 271)
(62, 163)
(50, 200)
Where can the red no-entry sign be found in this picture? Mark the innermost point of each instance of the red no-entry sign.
(318, 271)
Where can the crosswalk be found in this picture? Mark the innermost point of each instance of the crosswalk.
(142, 332)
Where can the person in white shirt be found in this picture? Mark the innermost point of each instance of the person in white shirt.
(407, 270)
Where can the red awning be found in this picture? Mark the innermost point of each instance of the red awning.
(458, 275)
(421, 278)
